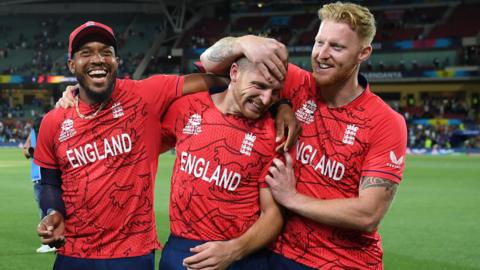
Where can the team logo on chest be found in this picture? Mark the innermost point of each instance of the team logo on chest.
(193, 126)
(247, 144)
(305, 113)
(117, 110)
(67, 130)
(349, 135)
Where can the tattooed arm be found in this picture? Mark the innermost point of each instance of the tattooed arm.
(361, 213)
(269, 55)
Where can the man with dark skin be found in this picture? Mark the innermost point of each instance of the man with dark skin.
(111, 133)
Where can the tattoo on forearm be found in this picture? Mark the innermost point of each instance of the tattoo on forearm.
(368, 182)
(222, 50)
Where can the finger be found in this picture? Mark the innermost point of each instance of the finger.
(280, 126)
(264, 71)
(288, 160)
(199, 248)
(280, 59)
(279, 164)
(282, 54)
(274, 69)
(292, 135)
(208, 262)
(70, 92)
(194, 259)
(273, 171)
(281, 147)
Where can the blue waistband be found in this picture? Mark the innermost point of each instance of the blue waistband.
(181, 243)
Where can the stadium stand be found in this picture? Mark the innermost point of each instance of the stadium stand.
(426, 62)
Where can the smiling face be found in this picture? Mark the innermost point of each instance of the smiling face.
(252, 94)
(337, 53)
(95, 66)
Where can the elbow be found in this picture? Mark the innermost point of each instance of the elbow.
(369, 224)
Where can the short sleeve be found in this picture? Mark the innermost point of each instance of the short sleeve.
(44, 155)
(386, 156)
(159, 91)
(295, 78)
(168, 132)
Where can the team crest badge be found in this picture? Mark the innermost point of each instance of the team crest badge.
(67, 130)
(247, 144)
(117, 110)
(349, 135)
(193, 126)
(305, 113)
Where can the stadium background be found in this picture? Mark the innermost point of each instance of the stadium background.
(425, 64)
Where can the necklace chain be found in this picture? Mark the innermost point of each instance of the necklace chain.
(88, 117)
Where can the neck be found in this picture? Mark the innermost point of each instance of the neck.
(341, 93)
(85, 98)
(225, 102)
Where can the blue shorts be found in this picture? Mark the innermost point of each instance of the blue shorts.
(146, 262)
(176, 249)
(279, 262)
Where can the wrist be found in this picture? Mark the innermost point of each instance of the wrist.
(280, 105)
(238, 248)
(291, 201)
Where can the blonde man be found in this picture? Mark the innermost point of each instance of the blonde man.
(349, 159)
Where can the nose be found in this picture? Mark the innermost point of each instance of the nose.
(97, 58)
(266, 97)
(323, 52)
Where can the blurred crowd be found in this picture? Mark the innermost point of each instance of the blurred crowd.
(454, 117)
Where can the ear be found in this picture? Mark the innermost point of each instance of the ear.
(365, 53)
(71, 66)
(234, 72)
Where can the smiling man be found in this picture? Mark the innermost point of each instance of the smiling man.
(99, 158)
(222, 214)
(349, 158)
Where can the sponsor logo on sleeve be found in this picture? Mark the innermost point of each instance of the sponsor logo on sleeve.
(193, 126)
(394, 161)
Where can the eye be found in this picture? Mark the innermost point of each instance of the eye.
(337, 47)
(107, 53)
(84, 53)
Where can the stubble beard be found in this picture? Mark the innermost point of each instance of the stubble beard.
(95, 96)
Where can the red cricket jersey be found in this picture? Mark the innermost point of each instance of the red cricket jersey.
(220, 166)
(336, 148)
(108, 167)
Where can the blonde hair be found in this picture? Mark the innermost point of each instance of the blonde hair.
(359, 18)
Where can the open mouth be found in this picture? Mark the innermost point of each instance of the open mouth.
(97, 75)
(323, 66)
(254, 105)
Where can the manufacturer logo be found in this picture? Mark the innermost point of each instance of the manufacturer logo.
(395, 162)
(349, 135)
(305, 113)
(67, 130)
(247, 144)
(117, 110)
(193, 126)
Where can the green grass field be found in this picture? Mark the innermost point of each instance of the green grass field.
(434, 222)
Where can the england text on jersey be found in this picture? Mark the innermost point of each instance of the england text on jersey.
(331, 168)
(90, 152)
(198, 167)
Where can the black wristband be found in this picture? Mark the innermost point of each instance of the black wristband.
(274, 107)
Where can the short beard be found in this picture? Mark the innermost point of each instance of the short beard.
(99, 97)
